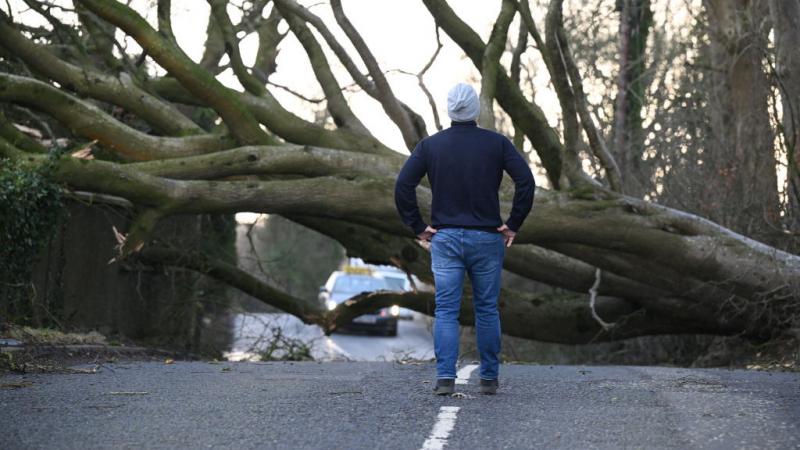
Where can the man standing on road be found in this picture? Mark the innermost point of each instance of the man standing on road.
(465, 165)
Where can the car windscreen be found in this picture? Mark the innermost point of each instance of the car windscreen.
(354, 284)
(395, 283)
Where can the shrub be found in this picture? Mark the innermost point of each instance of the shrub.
(30, 205)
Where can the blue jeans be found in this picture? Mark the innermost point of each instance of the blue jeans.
(455, 251)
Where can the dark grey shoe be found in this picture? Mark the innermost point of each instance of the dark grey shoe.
(489, 387)
(445, 386)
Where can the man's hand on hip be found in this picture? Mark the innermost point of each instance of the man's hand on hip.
(508, 234)
(425, 236)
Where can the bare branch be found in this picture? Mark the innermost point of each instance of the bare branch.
(121, 90)
(596, 141)
(268, 39)
(89, 121)
(214, 46)
(515, 69)
(285, 124)
(250, 82)
(293, 8)
(569, 88)
(309, 311)
(164, 11)
(273, 160)
(295, 93)
(421, 81)
(527, 19)
(337, 105)
(490, 63)
(571, 169)
(240, 121)
(385, 96)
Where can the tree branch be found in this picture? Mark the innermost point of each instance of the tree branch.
(337, 105)
(282, 122)
(420, 79)
(515, 69)
(272, 160)
(121, 90)
(202, 84)
(91, 122)
(570, 73)
(490, 63)
(268, 39)
(385, 96)
(17, 138)
(250, 82)
(552, 315)
(164, 11)
(572, 169)
(310, 312)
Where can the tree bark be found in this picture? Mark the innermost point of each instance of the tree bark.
(636, 19)
(786, 22)
(743, 176)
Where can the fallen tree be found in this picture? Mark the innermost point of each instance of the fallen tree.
(651, 269)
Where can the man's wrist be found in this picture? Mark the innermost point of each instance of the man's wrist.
(420, 228)
(512, 225)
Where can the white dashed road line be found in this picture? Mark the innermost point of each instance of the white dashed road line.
(445, 422)
(463, 374)
(446, 419)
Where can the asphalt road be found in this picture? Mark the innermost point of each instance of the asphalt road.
(369, 405)
(413, 341)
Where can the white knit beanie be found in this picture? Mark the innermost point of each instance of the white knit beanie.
(463, 104)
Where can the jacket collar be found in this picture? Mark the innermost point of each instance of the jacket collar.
(470, 123)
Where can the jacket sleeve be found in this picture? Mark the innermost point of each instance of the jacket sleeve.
(524, 185)
(405, 195)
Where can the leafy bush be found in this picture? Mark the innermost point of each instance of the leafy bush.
(30, 205)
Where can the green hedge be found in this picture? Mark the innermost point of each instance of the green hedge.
(30, 206)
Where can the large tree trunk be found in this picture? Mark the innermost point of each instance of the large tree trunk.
(741, 164)
(636, 18)
(786, 23)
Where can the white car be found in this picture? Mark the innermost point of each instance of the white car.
(397, 280)
(343, 285)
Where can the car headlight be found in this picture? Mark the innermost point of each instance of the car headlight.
(394, 310)
(331, 305)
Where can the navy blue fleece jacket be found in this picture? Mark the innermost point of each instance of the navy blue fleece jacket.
(465, 165)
